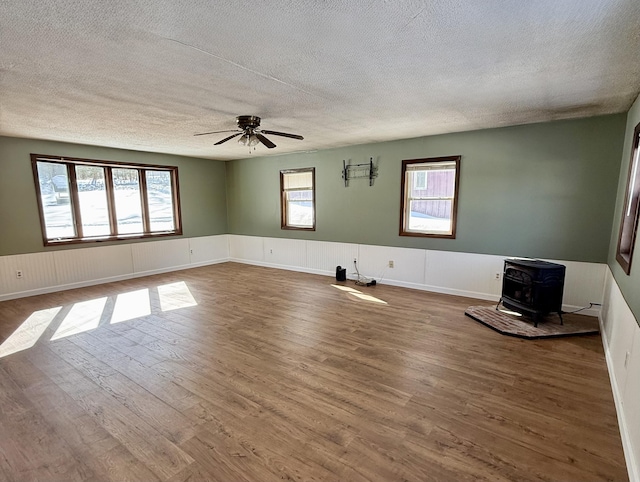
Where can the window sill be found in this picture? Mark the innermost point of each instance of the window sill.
(428, 235)
(105, 239)
(298, 228)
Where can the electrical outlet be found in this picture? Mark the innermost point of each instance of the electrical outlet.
(19, 274)
(497, 274)
(626, 358)
(355, 260)
(390, 264)
(191, 250)
(271, 251)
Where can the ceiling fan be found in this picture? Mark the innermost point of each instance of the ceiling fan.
(250, 132)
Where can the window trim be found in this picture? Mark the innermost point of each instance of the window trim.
(404, 197)
(283, 199)
(628, 233)
(74, 199)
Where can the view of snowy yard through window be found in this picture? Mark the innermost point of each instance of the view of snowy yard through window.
(419, 221)
(93, 200)
(300, 212)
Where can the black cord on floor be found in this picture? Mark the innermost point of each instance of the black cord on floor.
(581, 309)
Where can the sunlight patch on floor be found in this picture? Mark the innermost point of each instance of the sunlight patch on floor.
(365, 297)
(29, 332)
(346, 288)
(174, 296)
(86, 315)
(359, 294)
(134, 304)
(83, 316)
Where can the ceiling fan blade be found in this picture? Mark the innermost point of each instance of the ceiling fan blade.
(265, 141)
(283, 134)
(214, 132)
(227, 138)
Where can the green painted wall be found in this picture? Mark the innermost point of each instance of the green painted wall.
(629, 284)
(202, 190)
(542, 190)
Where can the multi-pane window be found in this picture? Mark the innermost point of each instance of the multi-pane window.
(429, 197)
(85, 200)
(298, 205)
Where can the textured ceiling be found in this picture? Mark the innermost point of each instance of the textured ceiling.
(148, 74)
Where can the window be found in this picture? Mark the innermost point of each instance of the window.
(430, 197)
(298, 202)
(82, 200)
(629, 224)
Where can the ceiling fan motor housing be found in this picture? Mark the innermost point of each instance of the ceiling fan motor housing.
(248, 122)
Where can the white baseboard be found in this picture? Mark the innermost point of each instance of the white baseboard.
(632, 468)
(299, 269)
(194, 265)
(442, 290)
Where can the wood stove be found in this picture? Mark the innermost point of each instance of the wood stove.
(533, 287)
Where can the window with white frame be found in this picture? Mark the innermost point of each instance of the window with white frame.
(298, 202)
(82, 200)
(429, 197)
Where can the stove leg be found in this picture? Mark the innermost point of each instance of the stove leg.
(560, 315)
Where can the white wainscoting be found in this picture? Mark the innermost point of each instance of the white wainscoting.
(158, 256)
(463, 274)
(74, 268)
(206, 249)
(323, 257)
(38, 270)
(408, 265)
(621, 339)
(81, 265)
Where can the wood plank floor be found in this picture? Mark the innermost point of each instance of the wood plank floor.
(235, 372)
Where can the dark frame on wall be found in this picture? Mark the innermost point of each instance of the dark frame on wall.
(631, 211)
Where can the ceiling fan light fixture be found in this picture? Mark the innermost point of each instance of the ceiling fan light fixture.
(248, 139)
(253, 140)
